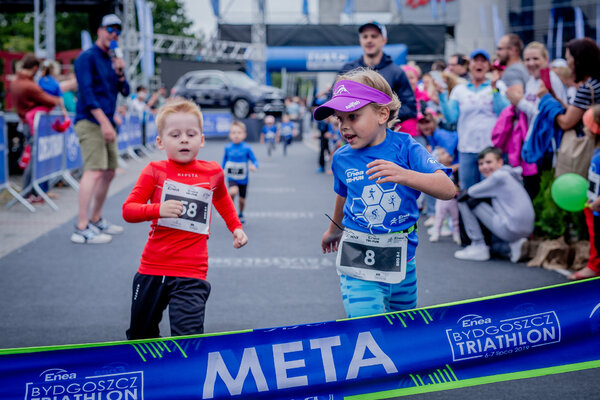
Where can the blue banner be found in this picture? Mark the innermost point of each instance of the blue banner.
(512, 336)
(122, 136)
(73, 158)
(151, 130)
(48, 146)
(134, 129)
(216, 124)
(3, 154)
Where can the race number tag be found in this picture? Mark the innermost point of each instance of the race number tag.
(380, 257)
(236, 171)
(197, 206)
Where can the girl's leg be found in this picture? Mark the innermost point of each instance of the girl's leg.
(403, 295)
(361, 297)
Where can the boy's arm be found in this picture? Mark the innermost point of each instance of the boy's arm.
(331, 237)
(252, 157)
(224, 204)
(436, 184)
(490, 186)
(136, 207)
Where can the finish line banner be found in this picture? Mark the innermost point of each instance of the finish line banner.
(512, 336)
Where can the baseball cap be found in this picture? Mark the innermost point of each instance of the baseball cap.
(478, 52)
(590, 121)
(350, 96)
(110, 19)
(376, 25)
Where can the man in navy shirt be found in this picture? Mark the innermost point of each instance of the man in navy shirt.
(373, 36)
(101, 78)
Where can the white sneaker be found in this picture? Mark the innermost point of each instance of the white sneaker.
(517, 250)
(106, 227)
(429, 221)
(445, 231)
(90, 235)
(456, 238)
(434, 238)
(473, 253)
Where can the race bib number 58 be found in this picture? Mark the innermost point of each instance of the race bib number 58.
(197, 206)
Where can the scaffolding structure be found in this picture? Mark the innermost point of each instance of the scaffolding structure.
(132, 43)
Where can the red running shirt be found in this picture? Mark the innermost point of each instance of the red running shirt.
(168, 251)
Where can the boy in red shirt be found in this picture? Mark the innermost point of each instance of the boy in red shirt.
(177, 195)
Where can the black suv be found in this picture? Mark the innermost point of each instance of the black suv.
(232, 89)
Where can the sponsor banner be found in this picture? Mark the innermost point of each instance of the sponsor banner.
(151, 130)
(49, 145)
(134, 128)
(216, 124)
(73, 158)
(512, 336)
(3, 154)
(122, 138)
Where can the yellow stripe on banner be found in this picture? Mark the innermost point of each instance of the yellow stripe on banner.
(388, 394)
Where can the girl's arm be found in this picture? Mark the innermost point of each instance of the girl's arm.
(570, 118)
(331, 237)
(435, 184)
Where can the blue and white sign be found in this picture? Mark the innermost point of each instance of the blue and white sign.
(49, 145)
(151, 130)
(216, 124)
(123, 136)
(134, 128)
(73, 158)
(514, 336)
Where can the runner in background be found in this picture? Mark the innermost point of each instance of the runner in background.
(177, 195)
(235, 164)
(268, 134)
(378, 177)
(287, 131)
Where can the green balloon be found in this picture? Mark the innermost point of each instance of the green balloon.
(569, 192)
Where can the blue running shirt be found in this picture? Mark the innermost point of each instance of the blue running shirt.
(387, 207)
(239, 153)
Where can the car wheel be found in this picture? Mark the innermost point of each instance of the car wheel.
(241, 108)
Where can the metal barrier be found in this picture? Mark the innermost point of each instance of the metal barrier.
(4, 183)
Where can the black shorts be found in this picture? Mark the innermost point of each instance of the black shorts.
(242, 188)
(186, 298)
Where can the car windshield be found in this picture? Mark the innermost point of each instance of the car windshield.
(239, 79)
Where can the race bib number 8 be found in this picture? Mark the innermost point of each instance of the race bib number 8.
(380, 258)
(197, 206)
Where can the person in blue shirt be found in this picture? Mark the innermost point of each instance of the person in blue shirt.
(287, 131)
(268, 133)
(50, 85)
(378, 176)
(101, 78)
(236, 166)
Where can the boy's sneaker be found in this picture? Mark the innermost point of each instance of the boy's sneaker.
(90, 235)
(106, 227)
(242, 218)
(434, 238)
(474, 252)
(518, 250)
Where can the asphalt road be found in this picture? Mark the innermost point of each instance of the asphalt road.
(55, 292)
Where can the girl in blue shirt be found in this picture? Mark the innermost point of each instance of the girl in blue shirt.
(378, 176)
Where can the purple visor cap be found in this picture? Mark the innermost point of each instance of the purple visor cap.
(350, 96)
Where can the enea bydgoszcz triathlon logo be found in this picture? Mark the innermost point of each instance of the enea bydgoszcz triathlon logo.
(60, 384)
(477, 336)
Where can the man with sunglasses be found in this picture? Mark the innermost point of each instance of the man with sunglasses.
(101, 78)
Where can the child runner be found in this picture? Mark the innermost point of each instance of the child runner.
(378, 176)
(235, 164)
(591, 119)
(287, 132)
(177, 196)
(268, 134)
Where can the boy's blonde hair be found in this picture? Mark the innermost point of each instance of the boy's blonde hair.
(178, 106)
(239, 124)
(368, 77)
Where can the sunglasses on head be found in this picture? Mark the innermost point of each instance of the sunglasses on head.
(112, 29)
